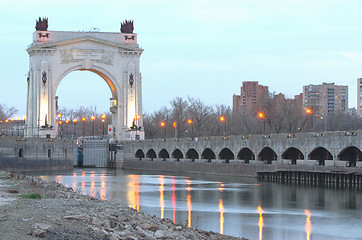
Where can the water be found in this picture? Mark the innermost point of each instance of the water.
(231, 205)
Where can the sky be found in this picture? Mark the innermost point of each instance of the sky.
(195, 48)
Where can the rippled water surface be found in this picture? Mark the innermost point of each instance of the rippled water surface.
(230, 205)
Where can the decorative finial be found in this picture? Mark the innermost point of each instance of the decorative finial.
(127, 26)
(41, 24)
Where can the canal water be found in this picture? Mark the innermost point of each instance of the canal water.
(235, 206)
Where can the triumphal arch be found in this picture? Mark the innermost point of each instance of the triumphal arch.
(114, 56)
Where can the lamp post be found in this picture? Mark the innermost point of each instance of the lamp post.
(190, 122)
(261, 116)
(163, 125)
(75, 127)
(60, 122)
(174, 124)
(18, 125)
(103, 116)
(6, 121)
(93, 118)
(83, 120)
(309, 112)
(222, 119)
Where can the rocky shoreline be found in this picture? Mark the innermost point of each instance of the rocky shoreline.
(33, 208)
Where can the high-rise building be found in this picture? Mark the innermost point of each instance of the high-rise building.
(325, 99)
(359, 97)
(251, 96)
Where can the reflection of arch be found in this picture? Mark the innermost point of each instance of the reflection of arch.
(140, 154)
(351, 154)
(177, 154)
(226, 154)
(192, 154)
(151, 154)
(208, 154)
(246, 154)
(163, 154)
(267, 154)
(320, 154)
(293, 154)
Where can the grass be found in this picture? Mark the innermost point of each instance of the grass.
(31, 196)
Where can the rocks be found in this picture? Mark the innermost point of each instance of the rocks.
(40, 229)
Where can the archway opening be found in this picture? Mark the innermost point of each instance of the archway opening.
(226, 154)
(79, 96)
(177, 154)
(246, 154)
(351, 155)
(208, 154)
(293, 154)
(192, 154)
(151, 154)
(320, 154)
(140, 154)
(164, 154)
(267, 155)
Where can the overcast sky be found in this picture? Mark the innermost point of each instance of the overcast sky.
(198, 48)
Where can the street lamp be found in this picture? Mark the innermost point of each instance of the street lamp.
(60, 122)
(83, 120)
(261, 116)
(93, 118)
(103, 116)
(135, 125)
(309, 112)
(75, 126)
(190, 122)
(163, 125)
(222, 119)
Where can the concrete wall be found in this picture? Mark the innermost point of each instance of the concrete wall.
(306, 143)
(28, 154)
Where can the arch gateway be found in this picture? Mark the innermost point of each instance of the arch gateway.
(114, 56)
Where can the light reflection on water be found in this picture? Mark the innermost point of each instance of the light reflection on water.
(240, 207)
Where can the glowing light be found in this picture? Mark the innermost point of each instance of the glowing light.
(174, 124)
(189, 121)
(162, 198)
(83, 119)
(66, 121)
(163, 124)
(188, 202)
(308, 224)
(133, 192)
(17, 118)
(103, 116)
(261, 222)
(12, 119)
(309, 111)
(221, 210)
(75, 120)
(222, 118)
(136, 116)
(6, 120)
(60, 122)
(93, 118)
(60, 115)
(261, 115)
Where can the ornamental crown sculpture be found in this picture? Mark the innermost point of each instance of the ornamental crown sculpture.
(41, 24)
(127, 26)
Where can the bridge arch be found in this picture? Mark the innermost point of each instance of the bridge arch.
(320, 154)
(140, 154)
(163, 154)
(226, 154)
(268, 155)
(208, 154)
(177, 154)
(151, 154)
(246, 154)
(293, 154)
(192, 154)
(350, 154)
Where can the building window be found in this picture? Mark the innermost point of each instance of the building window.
(49, 153)
(21, 153)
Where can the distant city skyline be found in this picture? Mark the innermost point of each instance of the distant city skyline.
(202, 49)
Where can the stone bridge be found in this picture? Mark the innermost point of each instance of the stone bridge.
(328, 149)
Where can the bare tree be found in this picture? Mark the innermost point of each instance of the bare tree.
(7, 112)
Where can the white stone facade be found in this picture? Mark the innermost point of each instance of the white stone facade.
(115, 57)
